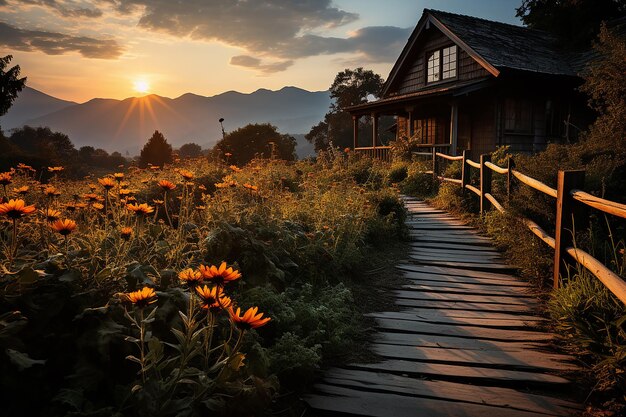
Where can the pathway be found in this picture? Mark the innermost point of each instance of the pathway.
(466, 342)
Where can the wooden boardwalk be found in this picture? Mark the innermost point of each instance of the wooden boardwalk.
(466, 342)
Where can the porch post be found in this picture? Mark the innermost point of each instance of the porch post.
(409, 129)
(374, 129)
(454, 128)
(355, 130)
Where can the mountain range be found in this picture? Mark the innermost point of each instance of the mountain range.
(125, 125)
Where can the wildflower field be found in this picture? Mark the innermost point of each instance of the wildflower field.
(198, 288)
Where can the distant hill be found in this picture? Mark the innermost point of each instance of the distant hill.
(125, 125)
(31, 103)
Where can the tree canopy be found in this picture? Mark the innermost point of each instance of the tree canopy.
(190, 150)
(257, 140)
(157, 151)
(10, 84)
(575, 22)
(350, 87)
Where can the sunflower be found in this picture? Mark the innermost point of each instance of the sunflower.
(143, 297)
(166, 185)
(16, 209)
(142, 209)
(220, 275)
(98, 206)
(5, 178)
(50, 214)
(51, 191)
(106, 182)
(126, 233)
(249, 320)
(209, 297)
(22, 190)
(125, 191)
(118, 176)
(64, 227)
(188, 175)
(190, 277)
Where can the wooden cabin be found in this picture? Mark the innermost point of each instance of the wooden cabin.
(477, 84)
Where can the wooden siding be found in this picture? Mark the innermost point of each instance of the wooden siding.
(483, 122)
(413, 77)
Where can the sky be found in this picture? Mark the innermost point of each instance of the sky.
(81, 49)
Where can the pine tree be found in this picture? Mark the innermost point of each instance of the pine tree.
(156, 152)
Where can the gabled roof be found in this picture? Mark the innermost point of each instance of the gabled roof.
(494, 45)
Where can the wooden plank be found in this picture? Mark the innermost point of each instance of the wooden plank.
(430, 279)
(478, 375)
(434, 249)
(457, 272)
(449, 342)
(453, 305)
(458, 245)
(485, 321)
(492, 396)
(442, 256)
(374, 404)
(427, 313)
(487, 299)
(476, 290)
(519, 360)
(464, 265)
(449, 330)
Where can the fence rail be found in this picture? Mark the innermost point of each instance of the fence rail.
(567, 195)
(376, 152)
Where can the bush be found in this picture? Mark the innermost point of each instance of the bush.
(397, 174)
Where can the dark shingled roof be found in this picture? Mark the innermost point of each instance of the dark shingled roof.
(508, 46)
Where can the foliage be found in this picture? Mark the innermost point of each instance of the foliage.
(575, 22)
(397, 173)
(298, 232)
(156, 151)
(256, 140)
(349, 88)
(190, 150)
(10, 84)
(418, 183)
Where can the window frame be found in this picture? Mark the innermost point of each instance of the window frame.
(440, 72)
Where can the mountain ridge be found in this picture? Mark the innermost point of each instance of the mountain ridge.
(126, 124)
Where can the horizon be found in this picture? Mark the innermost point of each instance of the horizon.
(89, 49)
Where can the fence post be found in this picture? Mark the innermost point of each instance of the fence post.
(567, 215)
(434, 163)
(510, 164)
(464, 173)
(485, 182)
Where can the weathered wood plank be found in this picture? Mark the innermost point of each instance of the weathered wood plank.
(486, 281)
(448, 342)
(462, 320)
(487, 315)
(465, 298)
(523, 361)
(464, 265)
(479, 375)
(502, 335)
(443, 270)
(456, 245)
(492, 396)
(454, 251)
(456, 305)
(474, 289)
(443, 257)
(374, 404)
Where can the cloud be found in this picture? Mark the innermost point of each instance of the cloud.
(53, 43)
(251, 62)
(68, 8)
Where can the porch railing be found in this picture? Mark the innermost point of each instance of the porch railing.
(382, 153)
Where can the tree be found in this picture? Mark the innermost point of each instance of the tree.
(10, 84)
(190, 150)
(350, 87)
(575, 22)
(43, 143)
(257, 140)
(156, 151)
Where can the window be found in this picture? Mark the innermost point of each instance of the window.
(518, 116)
(431, 130)
(441, 64)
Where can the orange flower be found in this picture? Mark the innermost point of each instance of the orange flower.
(126, 233)
(70, 207)
(190, 277)
(5, 178)
(208, 295)
(55, 169)
(106, 182)
(188, 175)
(200, 208)
(51, 214)
(15, 209)
(220, 275)
(142, 209)
(166, 185)
(64, 227)
(119, 176)
(98, 206)
(51, 191)
(143, 297)
(235, 168)
(249, 320)
(22, 190)
(226, 184)
(24, 167)
(158, 202)
(90, 197)
(251, 187)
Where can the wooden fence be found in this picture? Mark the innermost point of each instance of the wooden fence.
(570, 201)
(382, 153)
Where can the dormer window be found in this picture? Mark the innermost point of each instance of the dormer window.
(441, 64)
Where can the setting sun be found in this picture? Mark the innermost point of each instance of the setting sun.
(141, 86)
